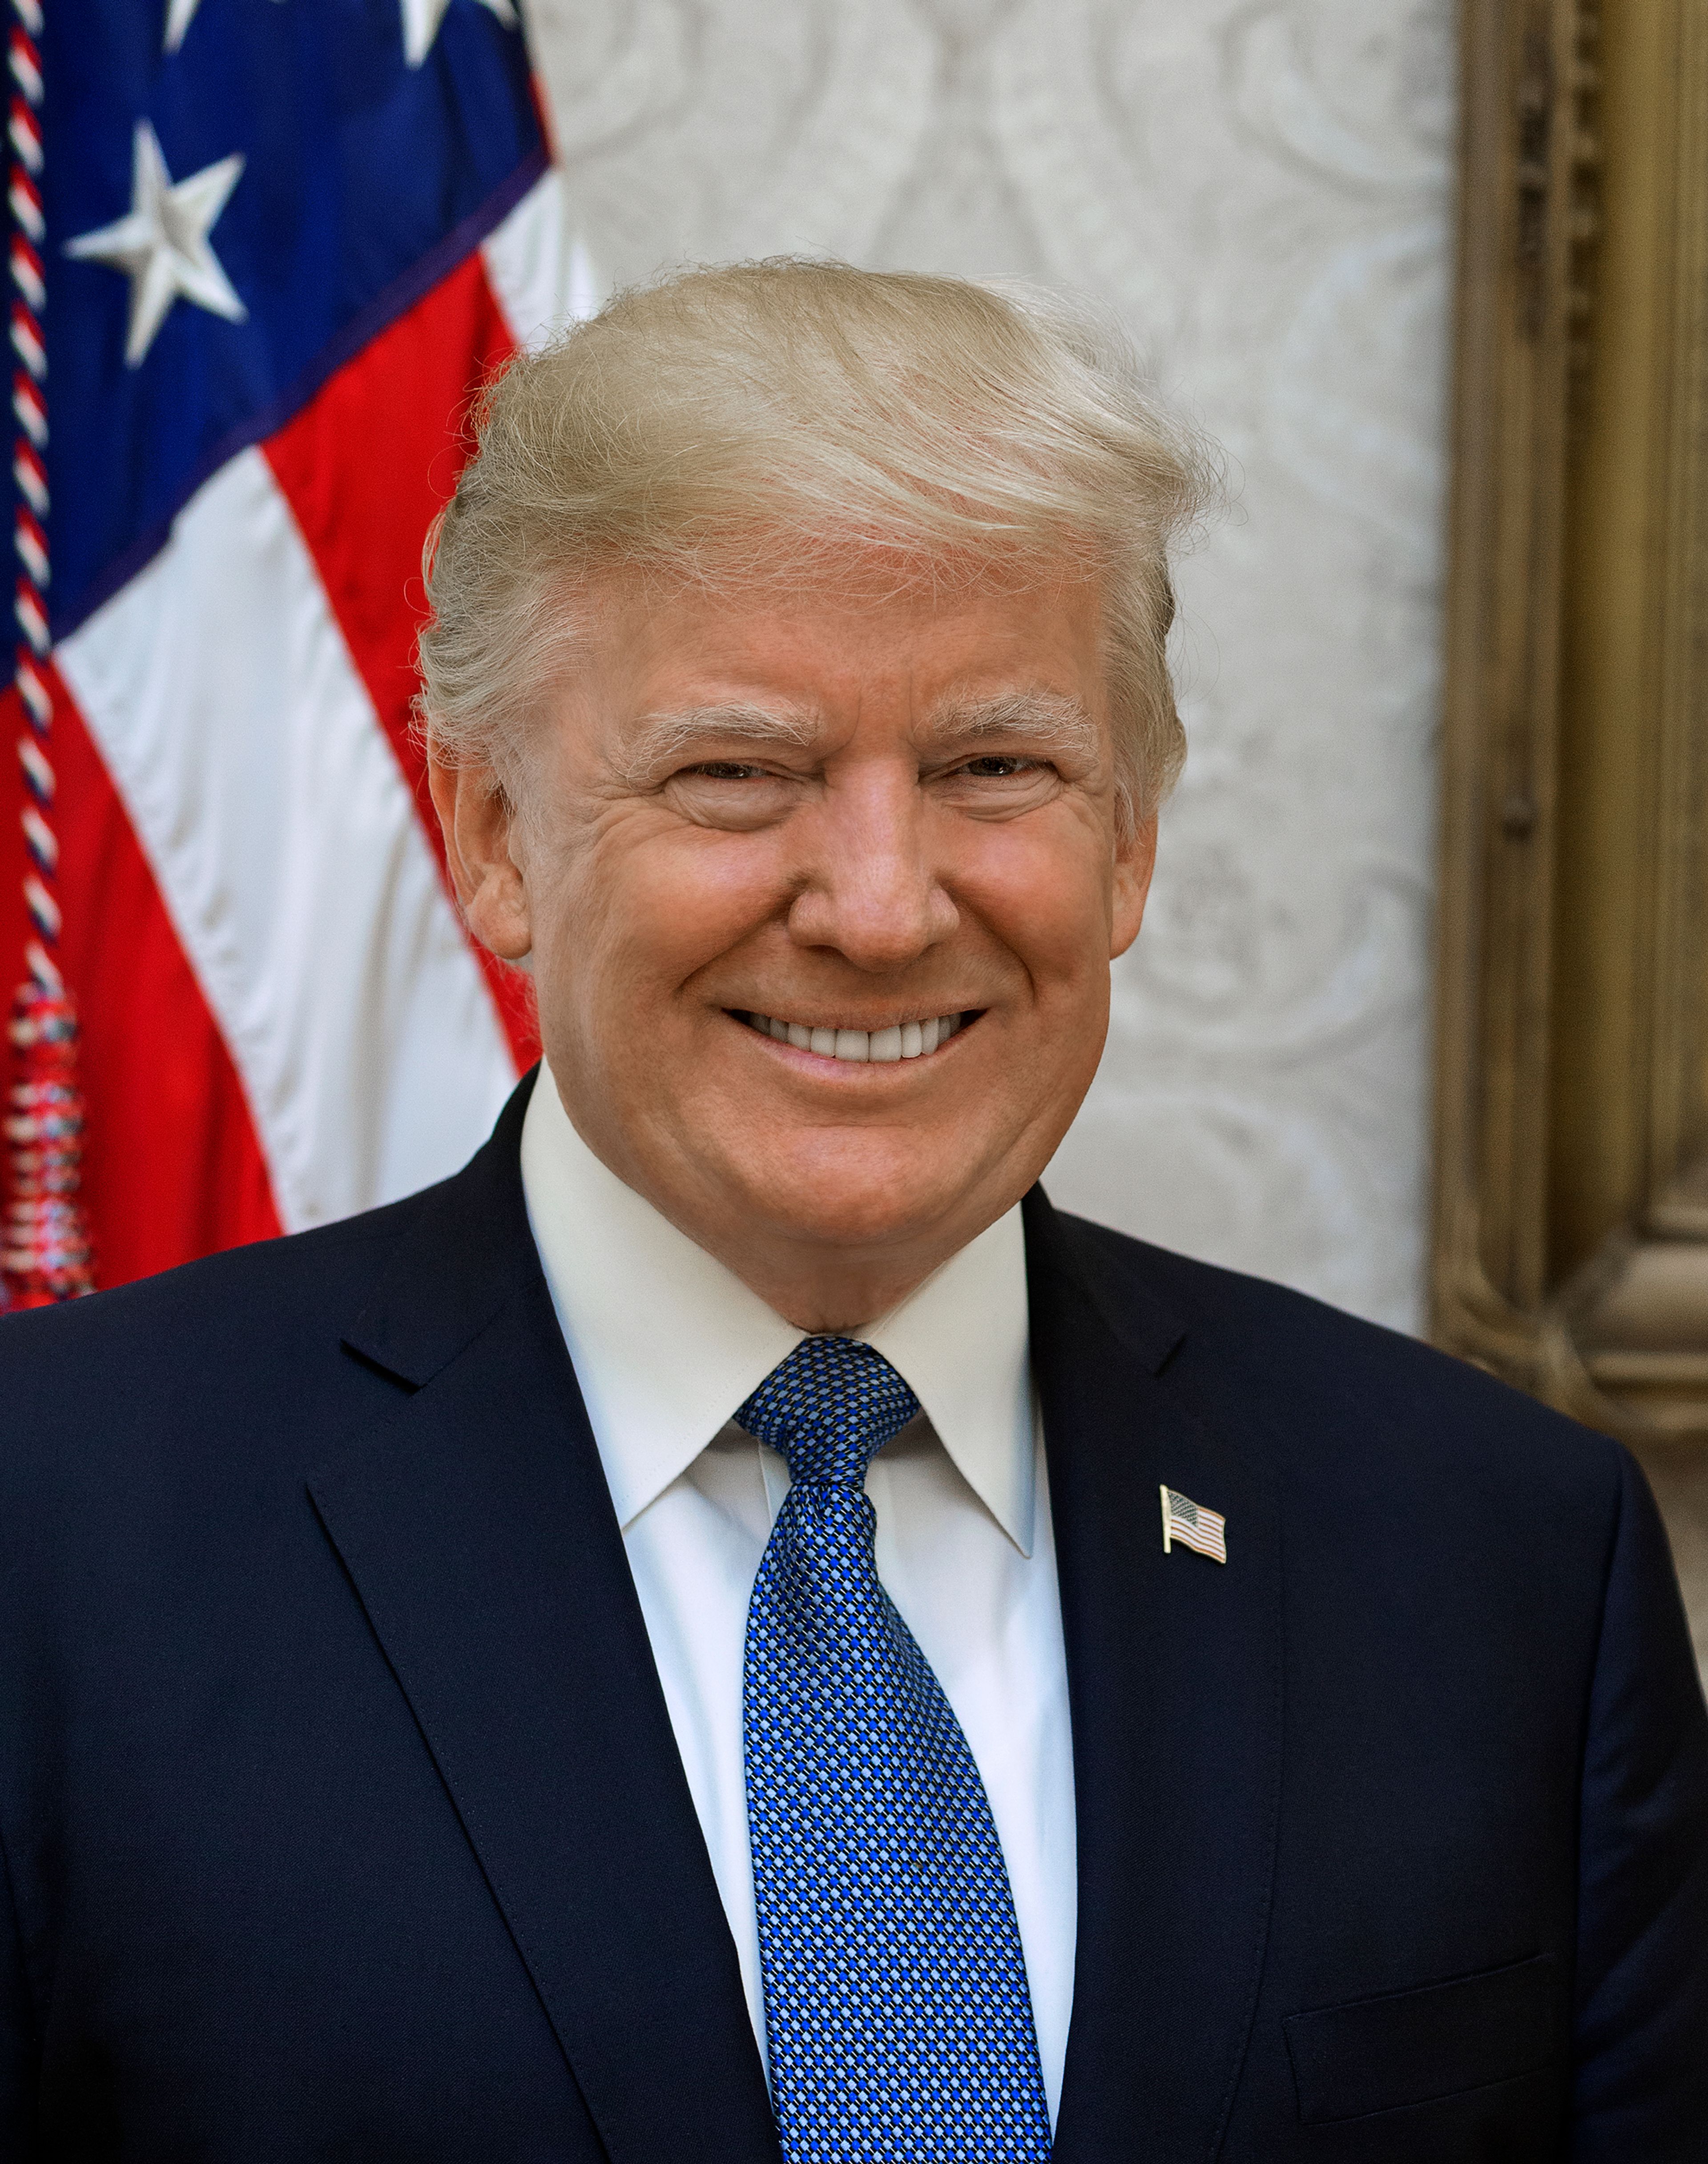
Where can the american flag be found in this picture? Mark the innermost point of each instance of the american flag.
(1193, 1526)
(263, 253)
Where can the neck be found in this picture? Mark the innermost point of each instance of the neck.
(826, 1288)
(826, 1297)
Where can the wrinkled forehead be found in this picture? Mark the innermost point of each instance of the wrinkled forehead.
(786, 659)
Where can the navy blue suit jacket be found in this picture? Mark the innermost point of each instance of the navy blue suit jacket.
(342, 1818)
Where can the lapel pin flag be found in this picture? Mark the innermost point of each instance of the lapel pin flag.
(1193, 1526)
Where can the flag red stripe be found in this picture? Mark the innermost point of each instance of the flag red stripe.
(172, 1168)
(364, 467)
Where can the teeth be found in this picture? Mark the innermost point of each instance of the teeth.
(907, 1040)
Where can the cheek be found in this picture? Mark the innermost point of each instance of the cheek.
(1042, 887)
(647, 911)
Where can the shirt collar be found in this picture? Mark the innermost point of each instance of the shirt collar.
(666, 1342)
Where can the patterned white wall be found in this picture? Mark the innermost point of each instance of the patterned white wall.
(1261, 188)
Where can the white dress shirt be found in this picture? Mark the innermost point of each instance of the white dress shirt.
(666, 1344)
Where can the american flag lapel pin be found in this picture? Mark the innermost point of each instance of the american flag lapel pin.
(1193, 1526)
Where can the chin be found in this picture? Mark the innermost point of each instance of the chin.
(861, 1199)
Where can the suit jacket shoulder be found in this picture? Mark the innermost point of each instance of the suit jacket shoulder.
(251, 1352)
(1328, 1387)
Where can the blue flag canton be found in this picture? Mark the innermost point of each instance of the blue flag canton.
(238, 195)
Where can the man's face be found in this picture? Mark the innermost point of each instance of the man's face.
(869, 823)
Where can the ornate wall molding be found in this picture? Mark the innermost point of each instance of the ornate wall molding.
(1570, 1236)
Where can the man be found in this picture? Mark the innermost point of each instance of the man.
(729, 1629)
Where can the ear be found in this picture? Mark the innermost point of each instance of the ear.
(478, 820)
(1135, 859)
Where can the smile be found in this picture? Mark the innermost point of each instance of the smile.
(906, 1040)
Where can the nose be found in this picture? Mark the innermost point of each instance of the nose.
(870, 889)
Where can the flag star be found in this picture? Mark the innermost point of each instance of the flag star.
(161, 242)
(421, 19)
(179, 15)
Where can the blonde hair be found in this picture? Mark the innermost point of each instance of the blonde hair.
(753, 422)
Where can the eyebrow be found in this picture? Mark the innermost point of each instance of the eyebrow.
(662, 737)
(1044, 718)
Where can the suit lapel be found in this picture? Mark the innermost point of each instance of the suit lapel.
(1174, 1682)
(476, 1525)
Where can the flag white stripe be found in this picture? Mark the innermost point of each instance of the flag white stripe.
(290, 856)
(537, 266)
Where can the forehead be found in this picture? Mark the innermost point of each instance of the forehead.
(835, 649)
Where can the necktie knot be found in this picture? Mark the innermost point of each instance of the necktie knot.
(829, 1409)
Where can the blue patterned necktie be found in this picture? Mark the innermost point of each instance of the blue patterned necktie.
(897, 2012)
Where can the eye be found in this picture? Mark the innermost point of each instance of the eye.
(722, 769)
(999, 766)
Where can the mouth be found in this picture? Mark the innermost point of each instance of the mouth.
(906, 1040)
